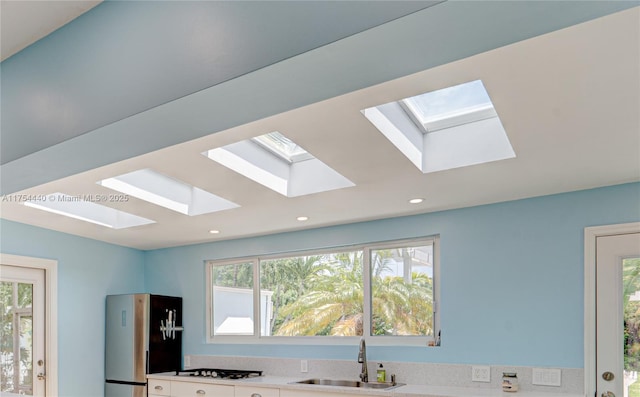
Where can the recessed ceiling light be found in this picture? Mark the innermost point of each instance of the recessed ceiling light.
(416, 201)
(302, 218)
(214, 231)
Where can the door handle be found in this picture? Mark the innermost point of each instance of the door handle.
(41, 375)
(608, 394)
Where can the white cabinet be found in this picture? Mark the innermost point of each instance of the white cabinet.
(252, 391)
(192, 389)
(159, 388)
(305, 393)
(178, 388)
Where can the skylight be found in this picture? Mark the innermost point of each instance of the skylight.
(448, 107)
(84, 209)
(283, 147)
(167, 192)
(280, 164)
(444, 129)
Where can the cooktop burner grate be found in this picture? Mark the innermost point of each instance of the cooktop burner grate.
(219, 373)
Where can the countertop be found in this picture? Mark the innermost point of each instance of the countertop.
(400, 391)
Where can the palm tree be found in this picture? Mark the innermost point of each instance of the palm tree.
(334, 304)
(288, 278)
(401, 308)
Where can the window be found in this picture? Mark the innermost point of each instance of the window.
(315, 295)
(85, 208)
(283, 147)
(159, 189)
(280, 164)
(232, 286)
(449, 128)
(402, 290)
(451, 106)
(383, 291)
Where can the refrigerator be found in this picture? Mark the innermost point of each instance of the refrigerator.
(143, 336)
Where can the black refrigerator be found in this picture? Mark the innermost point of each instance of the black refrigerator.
(143, 336)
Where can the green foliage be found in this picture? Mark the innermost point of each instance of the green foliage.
(8, 311)
(631, 284)
(238, 275)
(324, 295)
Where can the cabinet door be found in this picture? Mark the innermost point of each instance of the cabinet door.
(304, 393)
(192, 389)
(251, 391)
(159, 387)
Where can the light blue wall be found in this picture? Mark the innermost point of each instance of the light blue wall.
(511, 277)
(88, 270)
(512, 282)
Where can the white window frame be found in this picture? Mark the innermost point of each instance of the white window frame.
(380, 340)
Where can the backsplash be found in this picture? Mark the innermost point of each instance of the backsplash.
(456, 375)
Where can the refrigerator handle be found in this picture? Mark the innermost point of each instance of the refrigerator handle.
(169, 327)
(147, 361)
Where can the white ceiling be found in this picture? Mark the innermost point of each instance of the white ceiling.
(26, 21)
(568, 100)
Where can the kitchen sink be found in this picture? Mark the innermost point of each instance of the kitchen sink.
(349, 383)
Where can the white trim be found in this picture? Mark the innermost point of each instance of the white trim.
(50, 268)
(590, 236)
(257, 338)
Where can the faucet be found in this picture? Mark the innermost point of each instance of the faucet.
(362, 358)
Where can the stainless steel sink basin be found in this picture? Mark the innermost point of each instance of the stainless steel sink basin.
(349, 383)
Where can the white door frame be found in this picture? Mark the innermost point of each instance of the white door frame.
(50, 268)
(590, 236)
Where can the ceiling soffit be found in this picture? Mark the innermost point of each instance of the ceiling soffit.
(77, 85)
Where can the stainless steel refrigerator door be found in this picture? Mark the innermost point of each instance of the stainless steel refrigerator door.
(122, 390)
(127, 330)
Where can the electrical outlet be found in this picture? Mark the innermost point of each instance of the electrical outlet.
(546, 377)
(187, 361)
(304, 366)
(481, 373)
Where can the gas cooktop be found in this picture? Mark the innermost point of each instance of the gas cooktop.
(219, 373)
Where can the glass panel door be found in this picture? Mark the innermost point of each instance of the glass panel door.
(631, 312)
(618, 315)
(21, 338)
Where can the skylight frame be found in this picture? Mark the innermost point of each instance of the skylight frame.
(88, 210)
(304, 175)
(193, 200)
(145, 195)
(470, 135)
(477, 111)
(450, 119)
(276, 143)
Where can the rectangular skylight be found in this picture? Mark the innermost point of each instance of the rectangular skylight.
(451, 106)
(276, 162)
(449, 128)
(78, 208)
(167, 192)
(283, 147)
